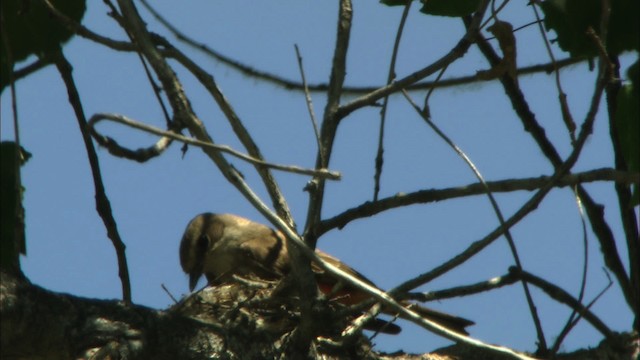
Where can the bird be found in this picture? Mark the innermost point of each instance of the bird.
(222, 246)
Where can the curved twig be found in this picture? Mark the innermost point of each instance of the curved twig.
(207, 80)
(558, 294)
(331, 175)
(528, 207)
(595, 211)
(572, 320)
(562, 96)
(496, 209)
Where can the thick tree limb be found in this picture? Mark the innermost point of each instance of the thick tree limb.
(215, 323)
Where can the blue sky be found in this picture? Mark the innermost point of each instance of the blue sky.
(68, 250)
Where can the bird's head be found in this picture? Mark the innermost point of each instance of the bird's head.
(198, 238)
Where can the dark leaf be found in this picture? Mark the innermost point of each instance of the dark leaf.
(628, 124)
(454, 8)
(571, 18)
(31, 30)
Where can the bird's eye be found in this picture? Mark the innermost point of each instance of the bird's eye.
(246, 253)
(202, 244)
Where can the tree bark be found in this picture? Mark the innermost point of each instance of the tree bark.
(236, 321)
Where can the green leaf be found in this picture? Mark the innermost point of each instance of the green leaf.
(453, 8)
(31, 30)
(12, 239)
(628, 124)
(571, 18)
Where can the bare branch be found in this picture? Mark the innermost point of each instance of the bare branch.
(330, 118)
(369, 208)
(558, 294)
(494, 204)
(29, 69)
(466, 290)
(171, 135)
(103, 205)
(383, 111)
(458, 51)
(289, 84)
(571, 321)
(594, 210)
(273, 189)
(562, 97)
(307, 96)
(528, 207)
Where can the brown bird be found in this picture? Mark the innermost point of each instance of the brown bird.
(222, 245)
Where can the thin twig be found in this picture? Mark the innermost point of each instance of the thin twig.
(425, 108)
(496, 208)
(273, 189)
(528, 207)
(456, 52)
(594, 210)
(562, 96)
(175, 301)
(583, 283)
(560, 295)
(369, 208)
(187, 140)
(307, 97)
(234, 64)
(570, 125)
(383, 111)
(462, 80)
(330, 118)
(157, 90)
(289, 84)
(103, 205)
(466, 290)
(370, 310)
(29, 69)
(494, 12)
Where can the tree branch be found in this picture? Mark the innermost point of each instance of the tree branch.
(370, 208)
(465, 290)
(558, 294)
(383, 111)
(118, 150)
(458, 51)
(528, 207)
(494, 204)
(103, 205)
(595, 211)
(207, 80)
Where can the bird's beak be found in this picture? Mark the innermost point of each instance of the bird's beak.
(193, 280)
